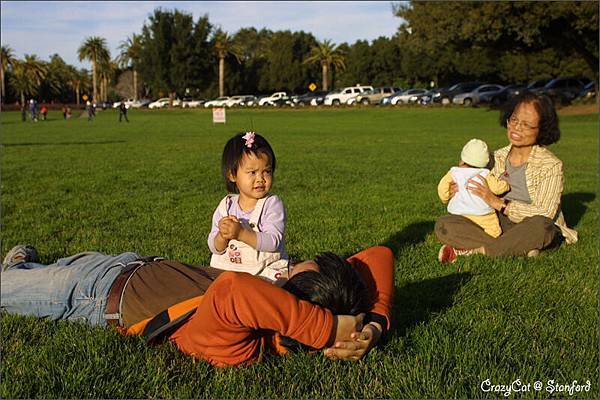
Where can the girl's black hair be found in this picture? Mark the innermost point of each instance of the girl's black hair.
(234, 151)
(548, 131)
(337, 287)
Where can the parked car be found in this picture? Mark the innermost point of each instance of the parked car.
(127, 102)
(421, 98)
(270, 100)
(218, 102)
(307, 98)
(505, 94)
(387, 100)
(239, 100)
(445, 95)
(563, 90)
(372, 96)
(190, 102)
(139, 103)
(341, 96)
(588, 91)
(475, 96)
(403, 97)
(164, 102)
(536, 85)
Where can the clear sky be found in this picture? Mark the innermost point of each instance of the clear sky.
(48, 27)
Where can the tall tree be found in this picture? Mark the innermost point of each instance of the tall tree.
(106, 71)
(27, 75)
(55, 86)
(7, 58)
(94, 50)
(225, 46)
(130, 57)
(523, 26)
(78, 80)
(328, 56)
(175, 52)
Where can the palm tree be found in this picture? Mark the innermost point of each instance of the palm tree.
(130, 57)
(94, 49)
(7, 58)
(225, 46)
(27, 75)
(328, 55)
(106, 70)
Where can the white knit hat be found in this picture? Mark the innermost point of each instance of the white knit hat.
(475, 153)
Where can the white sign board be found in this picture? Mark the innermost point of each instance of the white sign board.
(218, 115)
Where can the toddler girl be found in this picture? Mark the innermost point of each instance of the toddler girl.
(473, 161)
(248, 225)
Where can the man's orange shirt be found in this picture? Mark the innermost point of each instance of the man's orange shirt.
(240, 314)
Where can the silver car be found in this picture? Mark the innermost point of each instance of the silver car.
(474, 97)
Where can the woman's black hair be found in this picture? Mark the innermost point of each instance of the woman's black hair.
(337, 286)
(234, 151)
(548, 131)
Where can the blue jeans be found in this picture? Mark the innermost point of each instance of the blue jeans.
(73, 288)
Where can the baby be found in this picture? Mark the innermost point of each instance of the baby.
(474, 159)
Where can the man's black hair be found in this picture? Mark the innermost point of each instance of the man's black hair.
(337, 287)
(235, 149)
(548, 131)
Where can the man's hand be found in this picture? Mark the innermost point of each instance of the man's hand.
(229, 227)
(345, 326)
(358, 346)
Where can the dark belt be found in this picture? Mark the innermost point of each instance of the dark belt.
(112, 313)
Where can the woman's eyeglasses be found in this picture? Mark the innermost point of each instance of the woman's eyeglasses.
(513, 122)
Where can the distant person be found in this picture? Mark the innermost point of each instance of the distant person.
(474, 159)
(248, 226)
(530, 213)
(68, 112)
(23, 112)
(90, 110)
(44, 112)
(33, 110)
(123, 111)
(64, 111)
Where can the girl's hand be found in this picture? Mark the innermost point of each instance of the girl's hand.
(479, 187)
(229, 227)
(358, 346)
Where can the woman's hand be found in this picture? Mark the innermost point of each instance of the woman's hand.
(479, 187)
(358, 346)
(452, 189)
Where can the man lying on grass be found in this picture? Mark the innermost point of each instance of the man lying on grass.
(224, 317)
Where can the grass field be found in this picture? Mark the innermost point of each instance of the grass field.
(350, 178)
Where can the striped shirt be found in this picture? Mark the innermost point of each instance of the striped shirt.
(544, 176)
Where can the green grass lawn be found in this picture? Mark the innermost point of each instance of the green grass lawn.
(350, 178)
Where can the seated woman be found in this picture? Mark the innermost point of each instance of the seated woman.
(530, 214)
(224, 317)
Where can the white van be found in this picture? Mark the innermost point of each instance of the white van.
(341, 96)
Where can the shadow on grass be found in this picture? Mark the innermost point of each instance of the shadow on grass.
(412, 234)
(417, 302)
(62, 143)
(574, 206)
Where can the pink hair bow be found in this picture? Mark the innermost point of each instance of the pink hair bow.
(249, 137)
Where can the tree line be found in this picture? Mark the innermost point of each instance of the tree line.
(437, 42)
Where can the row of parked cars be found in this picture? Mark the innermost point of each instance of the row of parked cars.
(563, 90)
